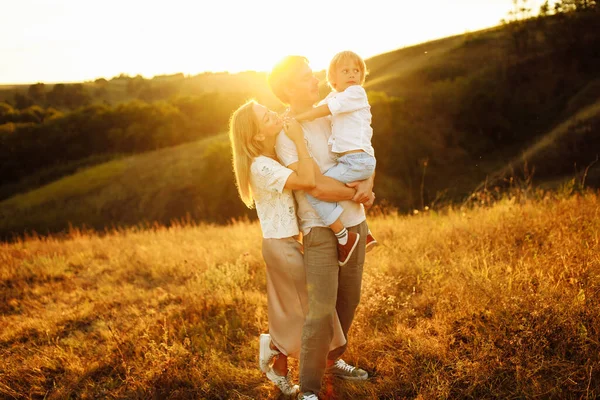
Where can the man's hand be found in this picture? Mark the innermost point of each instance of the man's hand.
(364, 190)
(368, 204)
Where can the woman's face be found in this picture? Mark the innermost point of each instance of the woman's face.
(269, 122)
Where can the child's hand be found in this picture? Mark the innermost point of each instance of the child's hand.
(287, 114)
(293, 129)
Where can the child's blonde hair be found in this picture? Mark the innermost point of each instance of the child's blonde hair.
(243, 127)
(344, 56)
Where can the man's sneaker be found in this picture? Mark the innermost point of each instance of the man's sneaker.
(370, 242)
(266, 353)
(307, 396)
(346, 371)
(283, 383)
(345, 250)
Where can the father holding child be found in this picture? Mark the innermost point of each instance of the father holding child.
(330, 287)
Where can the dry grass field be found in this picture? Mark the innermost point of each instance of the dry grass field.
(501, 301)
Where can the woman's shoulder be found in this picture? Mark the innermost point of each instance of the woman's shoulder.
(262, 163)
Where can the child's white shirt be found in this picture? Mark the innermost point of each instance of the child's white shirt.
(350, 120)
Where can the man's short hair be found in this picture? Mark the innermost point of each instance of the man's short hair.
(283, 74)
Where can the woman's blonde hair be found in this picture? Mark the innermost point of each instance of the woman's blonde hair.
(243, 127)
(344, 56)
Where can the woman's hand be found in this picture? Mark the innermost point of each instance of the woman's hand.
(293, 130)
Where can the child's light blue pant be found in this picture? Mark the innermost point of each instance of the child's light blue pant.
(350, 167)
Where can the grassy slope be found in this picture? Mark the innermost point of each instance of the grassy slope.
(403, 73)
(155, 186)
(548, 146)
(400, 72)
(170, 183)
(500, 302)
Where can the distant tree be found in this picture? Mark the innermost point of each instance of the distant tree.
(517, 25)
(5, 109)
(56, 97)
(121, 76)
(37, 93)
(565, 6)
(101, 81)
(76, 96)
(68, 96)
(22, 101)
(136, 84)
(34, 113)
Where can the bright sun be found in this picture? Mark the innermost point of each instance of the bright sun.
(72, 40)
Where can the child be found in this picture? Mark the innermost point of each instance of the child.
(350, 140)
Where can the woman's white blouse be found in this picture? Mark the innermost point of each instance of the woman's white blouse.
(275, 205)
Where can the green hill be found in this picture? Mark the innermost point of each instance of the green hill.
(450, 116)
(195, 181)
(192, 180)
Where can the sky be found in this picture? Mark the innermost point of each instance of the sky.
(81, 40)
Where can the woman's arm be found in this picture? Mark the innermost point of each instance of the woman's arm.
(314, 113)
(303, 177)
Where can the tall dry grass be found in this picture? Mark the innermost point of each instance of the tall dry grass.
(493, 302)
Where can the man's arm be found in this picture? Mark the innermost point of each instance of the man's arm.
(364, 190)
(328, 189)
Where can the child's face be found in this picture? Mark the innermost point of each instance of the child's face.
(347, 74)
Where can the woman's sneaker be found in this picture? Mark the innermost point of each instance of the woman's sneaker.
(283, 383)
(346, 371)
(307, 396)
(265, 352)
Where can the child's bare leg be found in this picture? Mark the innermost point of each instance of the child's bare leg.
(337, 226)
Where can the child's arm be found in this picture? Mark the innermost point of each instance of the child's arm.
(316, 112)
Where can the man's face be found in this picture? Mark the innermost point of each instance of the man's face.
(305, 87)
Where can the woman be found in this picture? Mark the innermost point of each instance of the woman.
(263, 182)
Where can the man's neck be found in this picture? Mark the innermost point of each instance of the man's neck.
(297, 108)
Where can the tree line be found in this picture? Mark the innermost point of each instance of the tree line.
(34, 138)
(435, 141)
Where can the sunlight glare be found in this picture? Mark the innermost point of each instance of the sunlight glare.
(70, 40)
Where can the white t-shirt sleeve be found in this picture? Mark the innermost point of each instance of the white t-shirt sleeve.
(286, 149)
(269, 174)
(352, 99)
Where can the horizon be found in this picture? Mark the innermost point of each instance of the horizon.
(68, 42)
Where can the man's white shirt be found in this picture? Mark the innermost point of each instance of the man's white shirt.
(316, 136)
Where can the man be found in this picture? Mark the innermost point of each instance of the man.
(330, 288)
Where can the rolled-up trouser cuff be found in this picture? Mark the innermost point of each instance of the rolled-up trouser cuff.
(334, 215)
